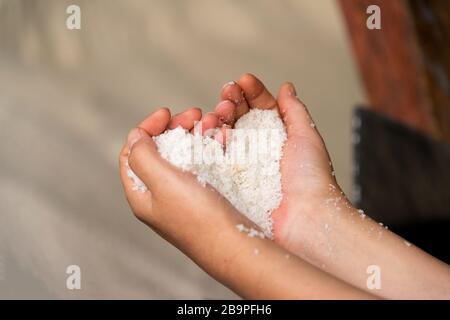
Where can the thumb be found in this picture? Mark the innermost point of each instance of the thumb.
(296, 117)
(146, 162)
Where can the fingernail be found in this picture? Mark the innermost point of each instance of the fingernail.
(292, 90)
(230, 83)
(134, 136)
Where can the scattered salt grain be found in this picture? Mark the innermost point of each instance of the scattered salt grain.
(251, 232)
(230, 83)
(255, 233)
(138, 185)
(407, 243)
(241, 228)
(362, 214)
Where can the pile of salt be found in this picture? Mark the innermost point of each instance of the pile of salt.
(246, 172)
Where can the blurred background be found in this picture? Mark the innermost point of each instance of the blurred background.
(69, 97)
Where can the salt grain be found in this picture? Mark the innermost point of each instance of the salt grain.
(138, 185)
(362, 214)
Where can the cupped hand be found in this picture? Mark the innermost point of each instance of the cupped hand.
(202, 224)
(307, 174)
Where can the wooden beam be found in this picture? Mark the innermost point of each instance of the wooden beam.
(398, 63)
(432, 22)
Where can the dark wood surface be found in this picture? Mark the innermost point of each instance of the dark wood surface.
(403, 179)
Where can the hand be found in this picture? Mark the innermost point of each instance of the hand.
(307, 174)
(202, 224)
(317, 222)
(175, 204)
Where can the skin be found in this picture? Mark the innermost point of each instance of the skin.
(315, 221)
(202, 224)
(318, 223)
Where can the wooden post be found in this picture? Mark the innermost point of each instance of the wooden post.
(405, 66)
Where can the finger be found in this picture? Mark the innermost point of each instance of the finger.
(223, 135)
(226, 112)
(157, 122)
(233, 92)
(146, 162)
(186, 119)
(139, 201)
(295, 115)
(256, 93)
(209, 122)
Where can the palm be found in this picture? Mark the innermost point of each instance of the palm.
(306, 175)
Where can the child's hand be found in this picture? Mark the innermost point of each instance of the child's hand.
(307, 175)
(175, 204)
(201, 223)
(315, 219)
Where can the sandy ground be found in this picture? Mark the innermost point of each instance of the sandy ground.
(68, 98)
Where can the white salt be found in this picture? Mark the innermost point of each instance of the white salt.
(247, 172)
(361, 214)
(251, 232)
(138, 185)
